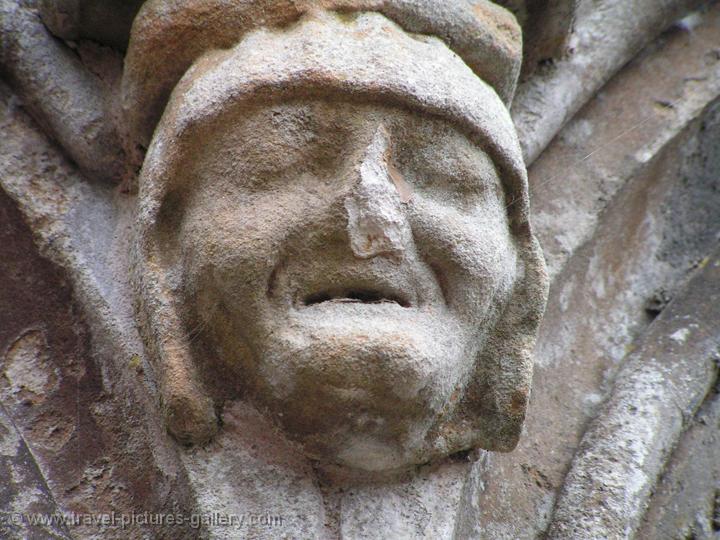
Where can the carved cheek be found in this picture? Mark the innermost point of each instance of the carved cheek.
(474, 253)
(224, 246)
(236, 238)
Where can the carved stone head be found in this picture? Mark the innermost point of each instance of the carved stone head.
(334, 223)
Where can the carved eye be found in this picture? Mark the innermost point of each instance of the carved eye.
(460, 189)
(451, 170)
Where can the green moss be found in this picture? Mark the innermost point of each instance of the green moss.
(135, 363)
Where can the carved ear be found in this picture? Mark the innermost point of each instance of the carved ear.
(492, 411)
(188, 408)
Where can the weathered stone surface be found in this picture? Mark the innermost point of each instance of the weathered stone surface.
(92, 463)
(611, 260)
(547, 32)
(547, 26)
(59, 92)
(607, 35)
(612, 139)
(25, 369)
(105, 21)
(294, 324)
(167, 40)
(103, 285)
(659, 388)
(625, 202)
(686, 502)
(24, 495)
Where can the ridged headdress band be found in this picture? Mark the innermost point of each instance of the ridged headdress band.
(168, 36)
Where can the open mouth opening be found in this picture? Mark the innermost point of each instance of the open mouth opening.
(355, 296)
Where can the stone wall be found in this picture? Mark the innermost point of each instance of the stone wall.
(618, 117)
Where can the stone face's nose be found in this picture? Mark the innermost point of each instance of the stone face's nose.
(376, 218)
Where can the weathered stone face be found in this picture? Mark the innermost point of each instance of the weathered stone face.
(318, 284)
(341, 238)
(344, 262)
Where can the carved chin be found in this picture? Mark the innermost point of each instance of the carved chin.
(362, 385)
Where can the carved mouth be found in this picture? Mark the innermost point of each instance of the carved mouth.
(355, 296)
